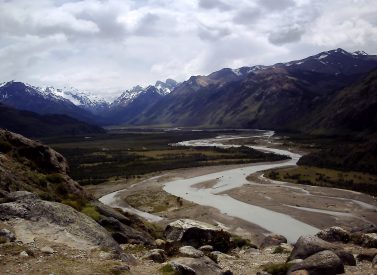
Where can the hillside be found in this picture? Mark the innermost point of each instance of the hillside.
(35, 125)
(276, 97)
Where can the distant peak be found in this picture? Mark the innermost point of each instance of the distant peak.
(359, 53)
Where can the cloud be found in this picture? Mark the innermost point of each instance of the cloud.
(286, 35)
(213, 4)
(110, 45)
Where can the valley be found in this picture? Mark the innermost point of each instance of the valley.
(227, 195)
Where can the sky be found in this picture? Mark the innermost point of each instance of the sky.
(105, 46)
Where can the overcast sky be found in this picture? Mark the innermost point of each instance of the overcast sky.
(107, 45)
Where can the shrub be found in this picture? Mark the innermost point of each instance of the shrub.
(241, 242)
(3, 240)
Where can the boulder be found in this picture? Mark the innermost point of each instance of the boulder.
(23, 254)
(273, 240)
(300, 272)
(125, 234)
(206, 248)
(160, 243)
(347, 258)
(369, 240)
(156, 255)
(46, 218)
(217, 255)
(324, 262)
(47, 250)
(367, 255)
(7, 235)
(334, 234)
(374, 262)
(309, 245)
(189, 251)
(367, 228)
(196, 234)
(198, 266)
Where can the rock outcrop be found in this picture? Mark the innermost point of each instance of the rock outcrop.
(197, 234)
(32, 217)
(27, 165)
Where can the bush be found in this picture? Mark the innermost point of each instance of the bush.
(241, 242)
(3, 240)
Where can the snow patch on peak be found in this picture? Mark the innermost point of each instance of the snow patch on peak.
(322, 56)
(359, 53)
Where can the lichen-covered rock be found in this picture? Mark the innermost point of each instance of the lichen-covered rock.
(324, 262)
(334, 234)
(206, 248)
(189, 251)
(273, 240)
(196, 234)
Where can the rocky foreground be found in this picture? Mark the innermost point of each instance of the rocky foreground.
(50, 225)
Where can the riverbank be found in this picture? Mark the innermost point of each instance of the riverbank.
(312, 209)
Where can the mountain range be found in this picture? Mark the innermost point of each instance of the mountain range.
(315, 94)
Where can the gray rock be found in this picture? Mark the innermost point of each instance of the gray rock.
(46, 214)
(9, 236)
(295, 261)
(21, 195)
(367, 255)
(206, 248)
(189, 251)
(324, 262)
(273, 240)
(24, 254)
(196, 234)
(217, 255)
(369, 240)
(47, 250)
(334, 234)
(374, 262)
(309, 245)
(199, 266)
(346, 257)
(156, 255)
(125, 234)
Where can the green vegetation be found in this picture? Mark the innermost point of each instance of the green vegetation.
(3, 240)
(111, 156)
(277, 268)
(279, 250)
(167, 269)
(92, 212)
(357, 181)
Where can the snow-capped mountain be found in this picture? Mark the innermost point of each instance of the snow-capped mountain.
(161, 88)
(83, 99)
(42, 100)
